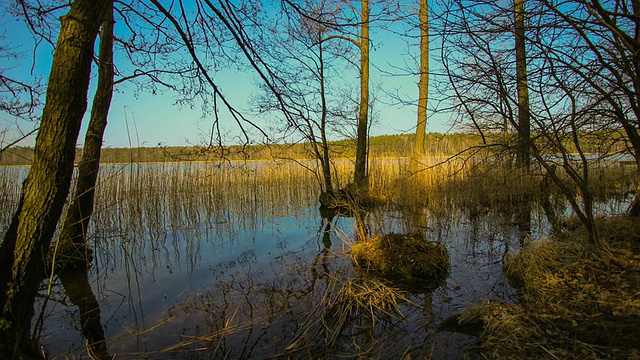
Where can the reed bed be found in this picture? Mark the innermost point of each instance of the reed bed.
(140, 207)
(11, 178)
(441, 183)
(155, 199)
(189, 194)
(483, 184)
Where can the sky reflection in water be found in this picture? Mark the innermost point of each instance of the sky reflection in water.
(245, 289)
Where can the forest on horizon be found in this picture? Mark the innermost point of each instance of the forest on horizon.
(398, 145)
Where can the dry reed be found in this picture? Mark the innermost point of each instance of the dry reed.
(359, 303)
(11, 178)
(144, 197)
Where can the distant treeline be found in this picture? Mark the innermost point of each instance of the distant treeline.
(380, 146)
(436, 144)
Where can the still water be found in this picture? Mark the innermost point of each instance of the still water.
(237, 291)
(188, 283)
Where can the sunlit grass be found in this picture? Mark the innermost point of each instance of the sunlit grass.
(138, 205)
(578, 300)
(402, 256)
(156, 198)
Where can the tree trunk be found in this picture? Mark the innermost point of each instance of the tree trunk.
(73, 249)
(360, 174)
(44, 191)
(524, 116)
(423, 85)
(632, 131)
(326, 161)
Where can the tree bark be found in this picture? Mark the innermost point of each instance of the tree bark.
(73, 249)
(325, 161)
(524, 116)
(74, 252)
(28, 238)
(423, 85)
(360, 173)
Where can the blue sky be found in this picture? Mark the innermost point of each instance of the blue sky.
(149, 120)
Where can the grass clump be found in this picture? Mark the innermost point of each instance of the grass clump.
(347, 307)
(578, 300)
(405, 256)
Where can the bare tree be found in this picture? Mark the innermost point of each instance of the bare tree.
(423, 84)
(596, 57)
(27, 240)
(307, 60)
(359, 38)
(360, 173)
(73, 249)
(490, 81)
(524, 117)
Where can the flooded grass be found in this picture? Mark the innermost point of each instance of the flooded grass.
(233, 260)
(402, 256)
(578, 300)
(348, 306)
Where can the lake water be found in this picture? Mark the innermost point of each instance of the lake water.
(244, 290)
(232, 284)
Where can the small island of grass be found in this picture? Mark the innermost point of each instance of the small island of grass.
(403, 256)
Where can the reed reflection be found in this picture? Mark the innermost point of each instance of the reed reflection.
(255, 310)
(228, 264)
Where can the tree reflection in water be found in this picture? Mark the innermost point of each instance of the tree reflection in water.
(247, 291)
(76, 286)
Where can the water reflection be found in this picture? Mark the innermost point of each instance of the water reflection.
(247, 291)
(187, 278)
(76, 285)
(326, 220)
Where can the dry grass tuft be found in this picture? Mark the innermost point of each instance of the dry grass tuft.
(578, 300)
(406, 256)
(358, 303)
(509, 331)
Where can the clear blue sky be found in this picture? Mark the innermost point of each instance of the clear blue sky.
(149, 120)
